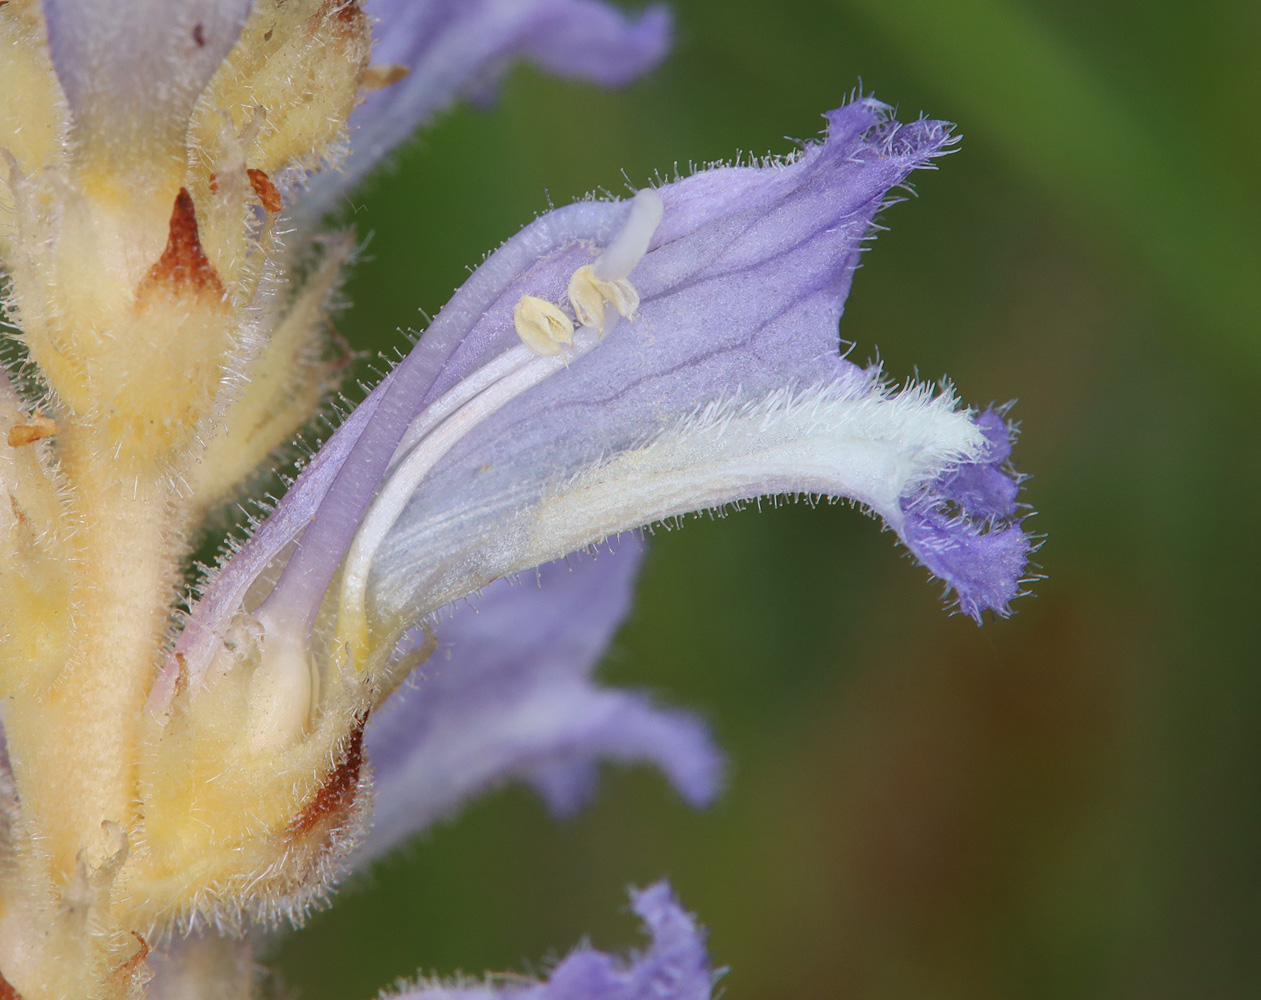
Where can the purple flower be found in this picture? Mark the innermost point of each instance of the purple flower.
(478, 458)
(460, 48)
(507, 693)
(420, 616)
(713, 376)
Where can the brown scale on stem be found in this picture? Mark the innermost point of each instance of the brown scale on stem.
(183, 264)
(130, 966)
(336, 796)
(382, 76)
(349, 14)
(265, 189)
(36, 430)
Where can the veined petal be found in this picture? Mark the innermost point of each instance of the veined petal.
(845, 438)
(132, 71)
(460, 48)
(723, 382)
(508, 694)
(675, 967)
(729, 385)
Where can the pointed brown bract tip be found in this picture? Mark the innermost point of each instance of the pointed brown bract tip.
(183, 263)
(181, 678)
(265, 189)
(335, 797)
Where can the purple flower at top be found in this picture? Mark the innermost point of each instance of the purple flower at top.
(455, 49)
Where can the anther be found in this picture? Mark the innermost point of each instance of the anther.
(589, 295)
(542, 326)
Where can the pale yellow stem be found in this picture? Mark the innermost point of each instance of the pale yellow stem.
(74, 738)
(127, 576)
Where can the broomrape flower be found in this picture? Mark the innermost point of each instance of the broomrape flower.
(172, 785)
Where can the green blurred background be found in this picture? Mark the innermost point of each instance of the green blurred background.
(1064, 804)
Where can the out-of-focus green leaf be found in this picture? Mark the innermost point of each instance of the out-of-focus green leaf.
(1126, 176)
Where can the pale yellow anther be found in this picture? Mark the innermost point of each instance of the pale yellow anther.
(541, 325)
(589, 295)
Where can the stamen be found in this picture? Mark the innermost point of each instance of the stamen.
(630, 245)
(352, 624)
(542, 326)
(340, 482)
(458, 395)
(545, 331)
(588, 295)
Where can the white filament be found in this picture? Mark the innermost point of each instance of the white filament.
(513, 380)
(460, 394)
(436, 431)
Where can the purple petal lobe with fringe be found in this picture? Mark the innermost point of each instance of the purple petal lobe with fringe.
(675, 966)
(965, 526)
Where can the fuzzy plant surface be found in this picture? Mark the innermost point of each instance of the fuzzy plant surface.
(418, 618)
